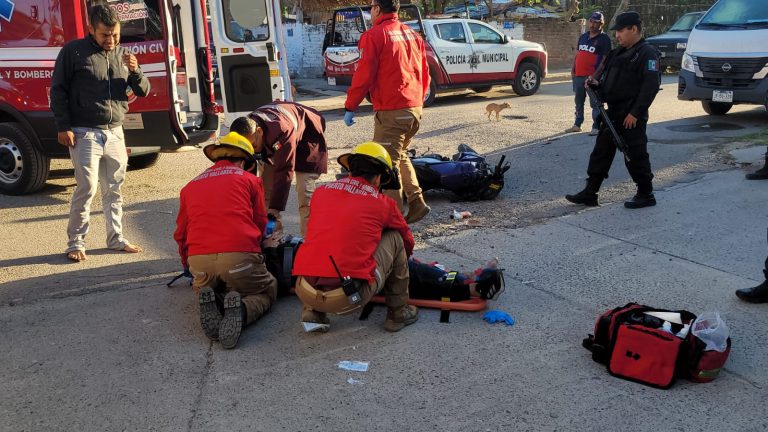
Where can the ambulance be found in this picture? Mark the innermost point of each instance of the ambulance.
(171, 40)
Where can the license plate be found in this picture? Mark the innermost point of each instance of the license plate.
(722, 96)
(331, 81)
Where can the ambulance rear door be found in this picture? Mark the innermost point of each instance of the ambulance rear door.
(245, 34)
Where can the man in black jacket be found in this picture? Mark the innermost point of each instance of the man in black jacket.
(89, 100)
(629, 82)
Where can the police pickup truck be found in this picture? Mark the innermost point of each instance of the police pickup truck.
(462, 53)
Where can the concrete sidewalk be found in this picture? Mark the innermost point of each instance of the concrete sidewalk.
(134, 358)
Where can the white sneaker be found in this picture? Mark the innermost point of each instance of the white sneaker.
(594, 132)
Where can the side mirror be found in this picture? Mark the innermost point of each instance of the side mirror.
(506, 39)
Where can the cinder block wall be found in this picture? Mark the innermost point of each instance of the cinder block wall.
(558, 36)
(304, 43)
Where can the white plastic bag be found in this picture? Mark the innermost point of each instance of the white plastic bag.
(712, 330)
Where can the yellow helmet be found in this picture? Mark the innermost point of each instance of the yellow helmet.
(231, 145)
(390, 178)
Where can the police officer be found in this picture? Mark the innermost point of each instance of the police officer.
(757, 294)
(628, 83)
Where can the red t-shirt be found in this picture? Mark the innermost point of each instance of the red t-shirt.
(221, 210)
(347, 218)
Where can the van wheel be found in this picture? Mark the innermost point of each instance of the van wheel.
(716, 108)
(23, 167)
(143, 161)
(429, 98)
(483, 89)
(527, 80)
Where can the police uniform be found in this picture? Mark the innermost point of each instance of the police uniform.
(628, 84)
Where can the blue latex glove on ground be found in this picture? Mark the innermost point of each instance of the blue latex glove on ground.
(495, 316)
(349, 118)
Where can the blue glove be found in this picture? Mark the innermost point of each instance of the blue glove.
(349, 118)
(495, 316)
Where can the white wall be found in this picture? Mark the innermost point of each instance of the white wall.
(304, 43)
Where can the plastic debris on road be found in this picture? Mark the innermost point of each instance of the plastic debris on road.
(356, 366)
(351, 380)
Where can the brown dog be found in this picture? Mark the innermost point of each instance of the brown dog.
(491, 107)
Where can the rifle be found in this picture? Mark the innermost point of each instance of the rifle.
(620, 144)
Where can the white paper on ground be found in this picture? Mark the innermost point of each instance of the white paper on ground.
(673, 317)
(312, 327)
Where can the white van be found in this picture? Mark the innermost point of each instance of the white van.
(726, 60)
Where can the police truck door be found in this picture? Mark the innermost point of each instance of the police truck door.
(248, 55)
(494, 62)
(452, 46)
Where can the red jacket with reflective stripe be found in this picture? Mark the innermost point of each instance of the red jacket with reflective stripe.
(393, 67)
(221, 210)
(347, 219)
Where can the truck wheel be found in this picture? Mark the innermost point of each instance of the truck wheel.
(143, 161)
(23, 167)
(716, 108)
(429, 98)
(484, 89)
(527, 80)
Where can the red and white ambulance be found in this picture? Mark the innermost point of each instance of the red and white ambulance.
(171, 40)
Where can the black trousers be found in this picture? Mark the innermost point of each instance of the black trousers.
(639, 164)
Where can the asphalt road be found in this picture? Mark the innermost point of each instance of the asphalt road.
(103, 345)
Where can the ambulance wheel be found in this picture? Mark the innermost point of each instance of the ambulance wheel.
(716, 108)
(484, 89)
(143, 161)
(23, 166)
(429, 98)
(527, 80)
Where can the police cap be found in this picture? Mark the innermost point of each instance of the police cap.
(627, 19)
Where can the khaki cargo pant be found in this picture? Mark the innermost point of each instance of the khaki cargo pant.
(394, 130)
(245, 273)
(305, 187)
(391, 274)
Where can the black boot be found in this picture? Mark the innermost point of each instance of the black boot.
(587, 196)
(233, 322)
(210, 316)
(761, 174)
(758, 294)
(640, 201)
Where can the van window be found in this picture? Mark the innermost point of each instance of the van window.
(686, 22)
(736, 13)
(37, 25)
(139, 19)
(245, 20)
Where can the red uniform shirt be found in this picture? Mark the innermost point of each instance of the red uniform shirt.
(347, 219)
(393, 67)
(221, 210)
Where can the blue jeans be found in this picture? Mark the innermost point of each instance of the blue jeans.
(581, 96)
